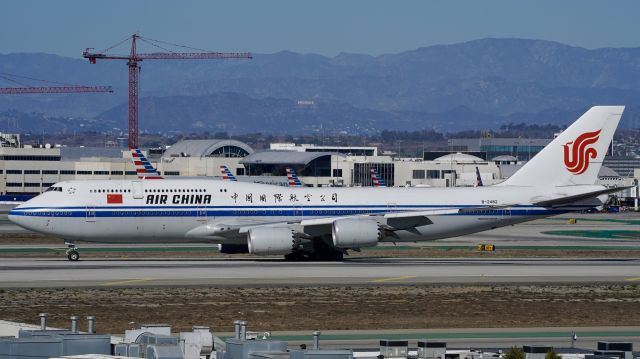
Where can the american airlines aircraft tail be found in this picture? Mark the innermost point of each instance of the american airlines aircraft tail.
(376, 179)
(144, 169)
(226, 173)
(292, 178)
(323, 223)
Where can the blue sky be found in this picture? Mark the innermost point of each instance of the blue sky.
(327, 27)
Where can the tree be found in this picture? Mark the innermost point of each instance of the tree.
(551, 354)
(514, 353)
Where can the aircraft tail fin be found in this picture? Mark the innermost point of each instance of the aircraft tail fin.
(576, 155)
(376, 179)
(478, 178)
(144, 169)
(292, 178)
(226, 173)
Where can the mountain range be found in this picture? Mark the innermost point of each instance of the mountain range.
(479, 84)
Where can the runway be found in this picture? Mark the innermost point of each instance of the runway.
(54, 273)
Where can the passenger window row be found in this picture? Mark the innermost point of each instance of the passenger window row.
(175, 190)
(109, 191)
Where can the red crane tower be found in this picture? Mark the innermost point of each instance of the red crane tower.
(25, 89)
(134, 69)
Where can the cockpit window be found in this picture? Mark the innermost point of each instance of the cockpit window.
(54, 188)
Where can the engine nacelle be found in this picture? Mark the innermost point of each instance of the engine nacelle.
(355, 233)
(271, 240)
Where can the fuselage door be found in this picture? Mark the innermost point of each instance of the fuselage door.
(90, 214)
(201, 213)
(136, 188)
(298, 213)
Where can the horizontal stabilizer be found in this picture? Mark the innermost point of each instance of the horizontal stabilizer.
(578, 197)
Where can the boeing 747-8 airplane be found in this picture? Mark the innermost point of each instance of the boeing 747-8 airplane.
(323, 223)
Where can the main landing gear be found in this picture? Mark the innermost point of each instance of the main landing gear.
(72, 252)
(324, 256)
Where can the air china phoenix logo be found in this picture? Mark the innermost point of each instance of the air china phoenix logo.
(578, 152)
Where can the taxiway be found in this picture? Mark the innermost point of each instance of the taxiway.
(267, 272)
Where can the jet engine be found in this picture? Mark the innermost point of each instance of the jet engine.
(272, 240)
(355, 233)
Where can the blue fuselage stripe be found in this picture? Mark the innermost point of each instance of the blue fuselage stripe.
(255, 211)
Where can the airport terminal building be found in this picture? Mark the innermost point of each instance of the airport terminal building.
(29, 170)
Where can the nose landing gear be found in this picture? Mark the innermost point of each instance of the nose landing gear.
(72, 252)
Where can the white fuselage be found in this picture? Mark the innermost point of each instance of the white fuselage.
(168, 210)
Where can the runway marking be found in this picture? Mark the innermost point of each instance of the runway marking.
(129, 281)
(392, 279)
(634, 279)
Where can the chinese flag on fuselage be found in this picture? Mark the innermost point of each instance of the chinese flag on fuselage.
(114, 198)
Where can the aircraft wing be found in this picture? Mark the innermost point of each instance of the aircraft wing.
(390, 221)
(560, 201)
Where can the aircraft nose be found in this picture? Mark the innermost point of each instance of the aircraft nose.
(15, 215)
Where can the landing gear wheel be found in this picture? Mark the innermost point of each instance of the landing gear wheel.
(327, 256)
(295, 256)
(73, 255)
(72, 252)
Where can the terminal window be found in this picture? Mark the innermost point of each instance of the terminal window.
(172, 173)
(433, 174)
(100, 172)
(32, 172)
(14, 172)
(337, 172)
(117, 173)
(84, 172)
(49, 172)
(130, 173)
(418, 174)
(67, 172)
(29, 158)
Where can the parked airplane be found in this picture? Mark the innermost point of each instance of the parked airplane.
(323, 223)
(376, 179)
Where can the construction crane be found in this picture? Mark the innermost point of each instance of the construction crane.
(27, 89)
(133, 60)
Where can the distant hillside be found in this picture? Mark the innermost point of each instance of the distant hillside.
(238, 113)
(483, 82)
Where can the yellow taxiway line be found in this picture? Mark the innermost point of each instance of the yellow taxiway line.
(130, 281)
(392, 279)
